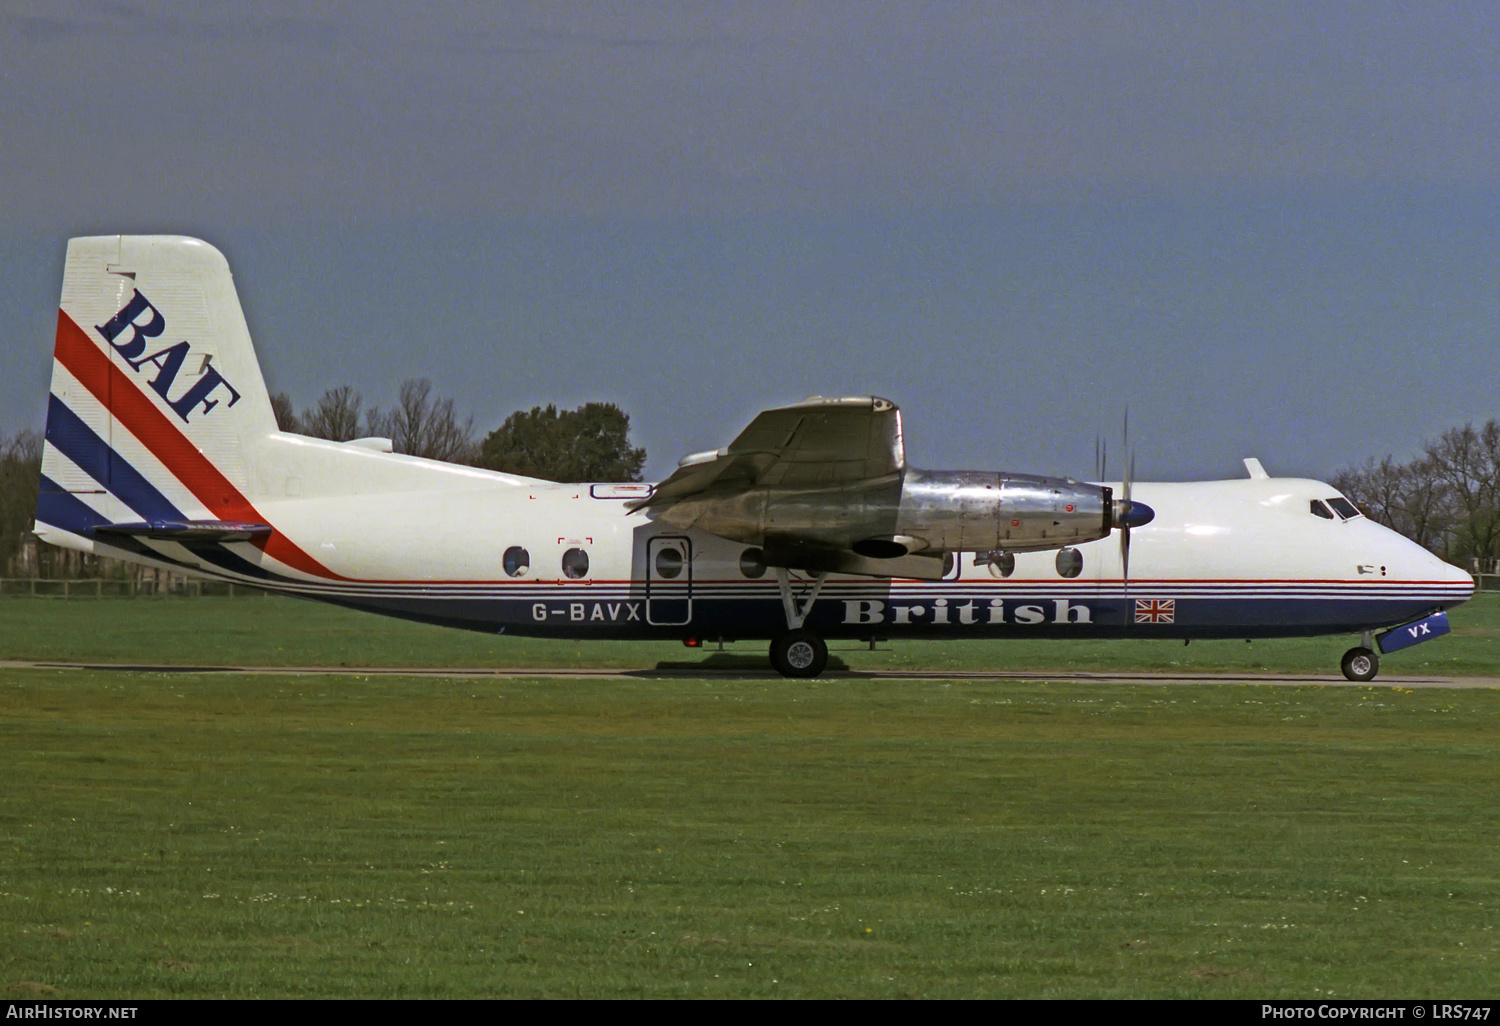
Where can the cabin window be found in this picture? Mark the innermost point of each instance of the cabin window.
(668, 563)
(1069, 563)
(1002, 564)
(1343, 507)
(575, 564)
(1320, 510)
(753, 563)
(516, 561)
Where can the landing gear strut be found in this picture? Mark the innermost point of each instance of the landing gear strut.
(798, 652)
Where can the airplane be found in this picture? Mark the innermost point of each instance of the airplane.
(161, 448)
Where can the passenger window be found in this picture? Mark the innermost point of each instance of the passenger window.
(575, 564)
(753, 563)
(1002, 565)
(1069, 563)
(1344, 508)
(668, 563)
(516, 561)
(1320, 510)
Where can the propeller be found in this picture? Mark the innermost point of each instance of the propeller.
(1127, 512)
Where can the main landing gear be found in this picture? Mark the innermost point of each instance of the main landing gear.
(1361, 663)
(798, 652)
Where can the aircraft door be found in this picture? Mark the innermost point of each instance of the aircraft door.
(669, 581)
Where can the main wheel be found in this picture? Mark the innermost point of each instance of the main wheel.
(1360, 664)
(799, 653)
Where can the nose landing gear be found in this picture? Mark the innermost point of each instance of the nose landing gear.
(1360, 664)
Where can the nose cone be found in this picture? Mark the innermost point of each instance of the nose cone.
(1133, 513)
(1453, 584)
(1450, 574)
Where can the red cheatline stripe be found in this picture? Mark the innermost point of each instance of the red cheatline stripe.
(94, 370)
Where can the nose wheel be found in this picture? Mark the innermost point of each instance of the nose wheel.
(1360, 664)
(799, 653)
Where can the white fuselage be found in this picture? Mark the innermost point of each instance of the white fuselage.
(429, 541)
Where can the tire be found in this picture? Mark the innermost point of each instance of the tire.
(1360, 664)
(799, 654)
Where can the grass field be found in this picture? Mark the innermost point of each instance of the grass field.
(267, 836)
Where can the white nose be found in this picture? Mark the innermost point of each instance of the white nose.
(1456, 581)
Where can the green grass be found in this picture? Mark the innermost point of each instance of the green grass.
(266, 837)
(209, 836)
(282, 631)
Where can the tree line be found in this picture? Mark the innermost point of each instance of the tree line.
(590, 443)
(1447, 499)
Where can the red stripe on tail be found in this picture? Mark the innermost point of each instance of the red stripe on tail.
(129, 405)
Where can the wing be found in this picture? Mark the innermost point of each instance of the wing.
(813, 483)
(818, 443)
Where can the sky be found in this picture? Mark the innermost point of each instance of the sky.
(1264, 229)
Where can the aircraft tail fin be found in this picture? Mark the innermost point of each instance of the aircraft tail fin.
(157, 396)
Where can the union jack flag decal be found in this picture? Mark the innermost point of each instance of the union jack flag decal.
(1155, 610)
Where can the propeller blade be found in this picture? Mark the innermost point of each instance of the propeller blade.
(1129, 508)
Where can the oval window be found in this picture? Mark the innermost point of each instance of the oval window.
(1069, 562)
(753, 563)
(1003, 565)
(517, 561)
(668, 563)
(575, 563)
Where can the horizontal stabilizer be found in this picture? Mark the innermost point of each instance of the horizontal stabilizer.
(188, 530)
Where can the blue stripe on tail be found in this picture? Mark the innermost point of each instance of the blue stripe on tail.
(78, 442)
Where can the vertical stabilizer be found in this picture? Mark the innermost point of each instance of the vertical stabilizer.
(157, 397)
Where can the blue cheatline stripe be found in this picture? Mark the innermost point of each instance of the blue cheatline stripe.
(78, 442)
(222, 558)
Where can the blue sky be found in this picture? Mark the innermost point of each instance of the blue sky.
(1266, 229)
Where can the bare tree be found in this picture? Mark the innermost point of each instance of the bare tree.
(421, 426)
(1467, 461)
(1425, 508)
(286, 414)
(336, 416)
(1374, 488)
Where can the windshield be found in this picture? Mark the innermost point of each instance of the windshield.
(1344, 508)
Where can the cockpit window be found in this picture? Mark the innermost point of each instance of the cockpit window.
(1344, 508)
(1320, 510)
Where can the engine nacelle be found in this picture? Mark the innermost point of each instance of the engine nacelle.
(978, 511)
(917, 511)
